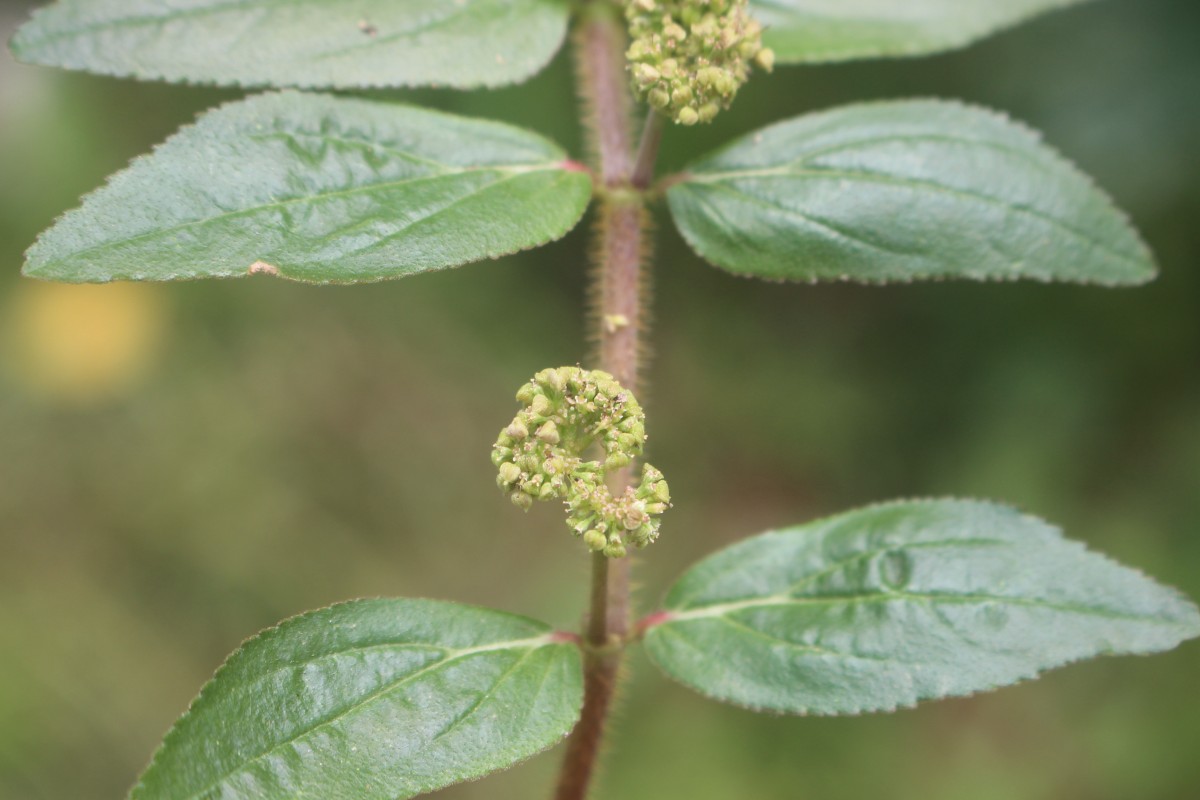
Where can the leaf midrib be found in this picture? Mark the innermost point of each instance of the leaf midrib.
(507, 173)
(852, 559)
(719, 180)
(721, 609)
(531, 644)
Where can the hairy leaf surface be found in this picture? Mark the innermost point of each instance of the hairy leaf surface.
(320, 189)
(899, 191)
(888, 605)
(303, 43)
(840, 30)
(371, 699)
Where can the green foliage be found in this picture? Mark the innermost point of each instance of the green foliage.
(840, 30)
(372, 699)
(342, 44)
(319, 189)
(901, 191)
(870, 611)
(882, 607)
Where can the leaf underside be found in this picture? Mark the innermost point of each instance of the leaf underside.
(892, 604)
(901, 191)
(342, 44)
(319, 189)
(840, 30)
(371, 699)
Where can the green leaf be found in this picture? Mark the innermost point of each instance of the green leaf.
(304, 43)
(901, 191)
(840, 30)
(319, 189)
(888, 605)
(371, 699)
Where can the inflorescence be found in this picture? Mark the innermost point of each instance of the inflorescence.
(540, 456)
(688, 58)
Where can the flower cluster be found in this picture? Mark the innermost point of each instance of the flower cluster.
(540, 456)
(688, 58)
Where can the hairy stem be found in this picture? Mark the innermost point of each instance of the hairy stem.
(643, 166)
(618, 288)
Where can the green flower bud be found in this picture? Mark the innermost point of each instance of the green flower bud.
(706, 78)
(687, 116)
(674, 32)
(638, 50)
(550, 379)
(541, 405)
(644, 535)
(765, 59)
(548, 433)
(500, 454)
(509, 473)
(517, 429)
(522, 501)
(705, 27)
(595, 540)
(616, 460)
(634, 519)
(645, 74)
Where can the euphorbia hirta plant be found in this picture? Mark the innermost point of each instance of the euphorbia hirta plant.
(871, 610)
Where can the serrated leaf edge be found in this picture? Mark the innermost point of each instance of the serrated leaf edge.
(548, 639)
(564, 165)
(151, 76)
(931, 47)
(689, 175)
(663, 618)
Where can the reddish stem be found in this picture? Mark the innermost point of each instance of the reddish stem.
(621, 250)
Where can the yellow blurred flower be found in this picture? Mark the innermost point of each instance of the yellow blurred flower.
(81, 344)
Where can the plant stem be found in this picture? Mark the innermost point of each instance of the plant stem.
(643, 167)
(618, 285)
(597, 632)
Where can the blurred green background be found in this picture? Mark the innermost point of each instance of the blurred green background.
(186, 464)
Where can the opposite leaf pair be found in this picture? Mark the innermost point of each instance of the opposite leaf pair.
(867, 611)
(340, 190)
